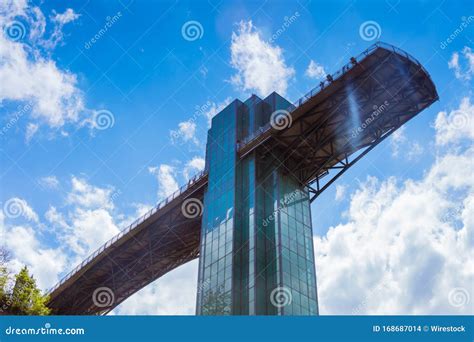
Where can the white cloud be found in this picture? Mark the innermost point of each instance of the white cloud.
(76, 230)
(172, 294)
(340, 192)
(85, 195)
(457, 125)
(193, 166)
(31, 75)
(44, 263)
(406, 247)
(415, 151)
(166, 177)
(54, 97)
(214, 109)
(49, 182)
(90, 229)
(315, 70)
(461, 71)
(260, 66)
(59, 20)
(66, 17)
(53, 216)
(31, 130)
(397, 138)
(399, 142)
(186, 132)
(16, 207)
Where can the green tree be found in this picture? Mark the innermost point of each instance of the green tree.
(4, 257)
(26, 298)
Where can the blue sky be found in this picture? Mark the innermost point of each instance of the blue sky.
(156, 85)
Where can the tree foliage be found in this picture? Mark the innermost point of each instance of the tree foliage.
(24, 297)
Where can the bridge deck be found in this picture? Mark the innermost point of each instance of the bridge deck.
(156, 243)
(332, 127)
(337, 123)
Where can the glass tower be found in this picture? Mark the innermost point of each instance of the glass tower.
(256, 244)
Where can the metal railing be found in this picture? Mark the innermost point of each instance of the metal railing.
(244, 142)
(325, 82)
(130, 227)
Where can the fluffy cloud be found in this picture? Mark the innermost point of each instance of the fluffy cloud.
(17, 207)
(396, 140)
(66, 17)
(186, 132)
(88, 196)
(49, 182)
(172, 294)
(214, 108)
(28, 74)
(406, 248)
(315, 70)
(260, 66)
(399, 141)
(45, 263)
(166, 177)
(340, 192)
(193, 166)
(78, 229)
(457, 125)
(462, 64)
(89, 230)
(52, 93)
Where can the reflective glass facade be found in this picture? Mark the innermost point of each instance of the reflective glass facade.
(256, 243)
